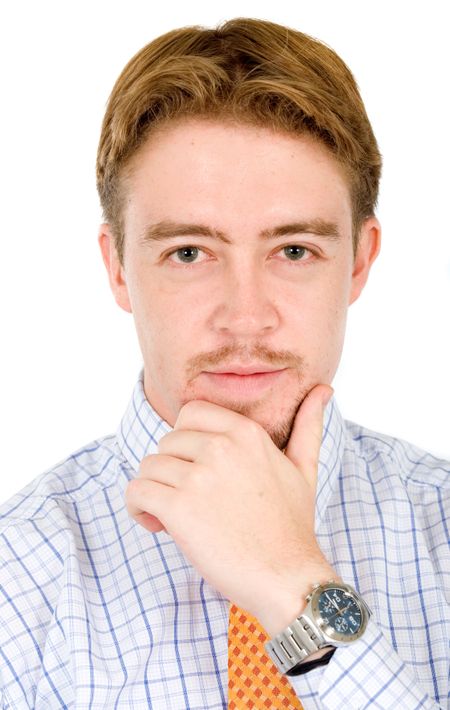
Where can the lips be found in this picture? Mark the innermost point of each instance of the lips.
(239, 370)
(240, 381)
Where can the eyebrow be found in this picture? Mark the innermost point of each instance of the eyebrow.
(167, 229)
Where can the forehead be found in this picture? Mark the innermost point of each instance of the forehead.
(202, 169)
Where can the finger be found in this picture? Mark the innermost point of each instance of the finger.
(163, 469)
(200, 415)
(303, 448)
(150, 522)
(144, 498)
(187, 445)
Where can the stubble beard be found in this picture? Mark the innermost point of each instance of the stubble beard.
(281, 429)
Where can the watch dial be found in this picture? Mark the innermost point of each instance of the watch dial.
(340, 611)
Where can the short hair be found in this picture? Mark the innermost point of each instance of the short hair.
(248, 70)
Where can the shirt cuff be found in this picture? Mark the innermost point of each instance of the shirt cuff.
(367, 674)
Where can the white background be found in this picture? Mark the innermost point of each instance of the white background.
(70, 356)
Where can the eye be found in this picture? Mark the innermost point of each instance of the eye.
(295, 252)
(185, 255)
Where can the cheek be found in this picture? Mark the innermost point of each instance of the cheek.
(168, 314)
(323, 326)
(169, 330)
(155, 319)
(333, 336)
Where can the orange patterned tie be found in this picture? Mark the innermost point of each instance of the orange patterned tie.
(253, 680)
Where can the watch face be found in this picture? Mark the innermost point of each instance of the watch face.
(340, 615)
(340, 611)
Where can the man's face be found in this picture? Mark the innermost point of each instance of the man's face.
(256, 289)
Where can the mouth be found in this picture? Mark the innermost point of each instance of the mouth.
(243, 381)
(257, 369)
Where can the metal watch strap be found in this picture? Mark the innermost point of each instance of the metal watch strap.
(295, 643)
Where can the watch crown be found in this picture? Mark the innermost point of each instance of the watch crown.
(308, 598)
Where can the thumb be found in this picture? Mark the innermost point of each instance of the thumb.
(303, 448)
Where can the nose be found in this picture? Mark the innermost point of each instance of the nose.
(245, 305)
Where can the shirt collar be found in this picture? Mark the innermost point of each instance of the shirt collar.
(141, 428)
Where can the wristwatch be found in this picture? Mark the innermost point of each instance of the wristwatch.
(336, 615)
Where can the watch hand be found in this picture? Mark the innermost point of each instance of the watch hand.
(332, 601)
(342, 611)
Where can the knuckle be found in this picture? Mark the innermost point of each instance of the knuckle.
(147, 465)
(164, 443)
(194, 405)
(218, 445)
(132, 492)
(188, 412)
(253, 430)
(196, 478)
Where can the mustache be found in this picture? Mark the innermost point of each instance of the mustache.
(231, 353)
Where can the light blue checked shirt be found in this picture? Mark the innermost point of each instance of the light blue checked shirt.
(96, 612)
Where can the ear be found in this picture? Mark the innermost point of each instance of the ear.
(116, 272)
(366, 253)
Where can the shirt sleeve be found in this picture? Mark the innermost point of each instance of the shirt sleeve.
(367, 674)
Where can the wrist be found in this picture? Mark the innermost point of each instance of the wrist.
(284, 603)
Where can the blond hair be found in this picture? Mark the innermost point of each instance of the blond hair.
(253, 71)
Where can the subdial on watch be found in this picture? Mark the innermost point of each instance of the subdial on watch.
(328, 608)
(341, 625)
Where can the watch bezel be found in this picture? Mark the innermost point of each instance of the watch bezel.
(329, 633)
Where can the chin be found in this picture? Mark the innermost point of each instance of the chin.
(263, 413)
(281, 435)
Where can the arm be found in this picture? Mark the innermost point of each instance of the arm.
(368, 674)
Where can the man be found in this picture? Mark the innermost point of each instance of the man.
(236, 543)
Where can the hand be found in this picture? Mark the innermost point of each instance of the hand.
(241, 510)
